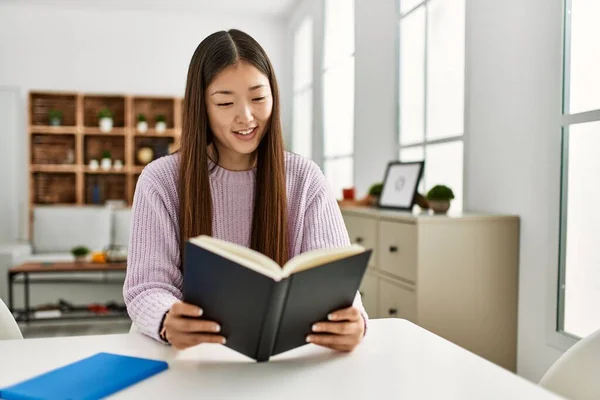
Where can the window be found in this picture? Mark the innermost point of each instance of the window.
(579, 281)
(303, 81)
(338, 94)
(431, 92)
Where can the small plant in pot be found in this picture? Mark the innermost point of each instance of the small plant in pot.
(55, 117)
(105, 119)
(142, 124)
(374, 193)
(161, 123)
(80, 253)
(439, 197)
(106, 162)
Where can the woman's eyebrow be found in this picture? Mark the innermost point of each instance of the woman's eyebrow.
(256, 87)
(222, 92)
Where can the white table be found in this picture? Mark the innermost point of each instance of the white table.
(396, 360)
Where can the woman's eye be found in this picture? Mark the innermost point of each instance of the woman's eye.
(224, 104)
(259, 98)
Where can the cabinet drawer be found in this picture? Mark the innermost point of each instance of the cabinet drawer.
(396, 301)
(397, 250)
(363, 231)
(369, 294)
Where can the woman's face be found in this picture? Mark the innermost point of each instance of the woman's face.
(239, 105)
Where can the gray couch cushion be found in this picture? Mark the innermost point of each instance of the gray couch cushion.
(59, 229)
(121, 226)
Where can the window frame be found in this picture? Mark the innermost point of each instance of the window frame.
(309, 87)
(558, 337)
(425, 143)
(323, 69)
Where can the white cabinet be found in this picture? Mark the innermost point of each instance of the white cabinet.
(363, 232)
(397, 301)
(369, 293)
(456, 276)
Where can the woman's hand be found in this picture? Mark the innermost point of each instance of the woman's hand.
(184, 329)
(343, 333)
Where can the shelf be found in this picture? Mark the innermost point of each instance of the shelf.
(172, 133)
(71, 315)
(53, 130)
(136, 170)
(97, 132)
(100, 171)
(54, 168)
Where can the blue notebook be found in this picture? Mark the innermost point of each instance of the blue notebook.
(94, 377)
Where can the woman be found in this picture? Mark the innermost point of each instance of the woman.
(230, 179)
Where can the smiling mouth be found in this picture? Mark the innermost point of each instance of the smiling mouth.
(246, 132)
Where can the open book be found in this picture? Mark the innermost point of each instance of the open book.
(265, 309)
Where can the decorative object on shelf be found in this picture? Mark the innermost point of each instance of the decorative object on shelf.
(421, 201)
(374, 193)
(116, 254)
(439, 198)
(80, 253)
(70, 157)
(96, 197)
(105, 118)
(98, 257)
(142, 124)
(161, 123)
(55, 117)
(106, 163)
(93, 165)
(118, 165)
(400, 185)
(349, 193)
(145, 155)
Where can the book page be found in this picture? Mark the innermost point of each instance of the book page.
(242, 255)
(314, 258)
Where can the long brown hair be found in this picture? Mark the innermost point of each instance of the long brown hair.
(269, 220)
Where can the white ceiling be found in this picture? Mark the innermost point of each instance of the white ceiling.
(273, 8)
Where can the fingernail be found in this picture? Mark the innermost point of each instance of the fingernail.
(223, 341)
(315, 327)
(330, 317)
(217, 328)
(309, 339)
(200, 312)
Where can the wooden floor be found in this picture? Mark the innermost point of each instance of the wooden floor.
(57, 329)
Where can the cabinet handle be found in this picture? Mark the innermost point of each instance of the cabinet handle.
(393, 311)
(359, 240)
(393, 249)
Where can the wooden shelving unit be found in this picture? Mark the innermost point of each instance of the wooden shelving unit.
(59, 172)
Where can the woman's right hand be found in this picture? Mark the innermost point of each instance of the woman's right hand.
(184, 328)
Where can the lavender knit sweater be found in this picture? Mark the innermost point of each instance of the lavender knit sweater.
(154, 280)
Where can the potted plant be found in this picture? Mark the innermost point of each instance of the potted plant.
(80, 252)
(105, 118)
(375, 192)
(106, 162)
(439, 197)
(142, 124)
(55, 117)
(161, 123)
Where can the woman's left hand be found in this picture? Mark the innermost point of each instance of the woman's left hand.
(343, 332)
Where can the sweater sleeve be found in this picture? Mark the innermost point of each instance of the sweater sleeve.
(324, 227)
(153, 281)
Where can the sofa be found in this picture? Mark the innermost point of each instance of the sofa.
(55, 231)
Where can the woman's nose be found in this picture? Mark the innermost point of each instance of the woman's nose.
(244, 114)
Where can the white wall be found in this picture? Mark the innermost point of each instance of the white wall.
(10, 124)
(512, 147)
(100, 47)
